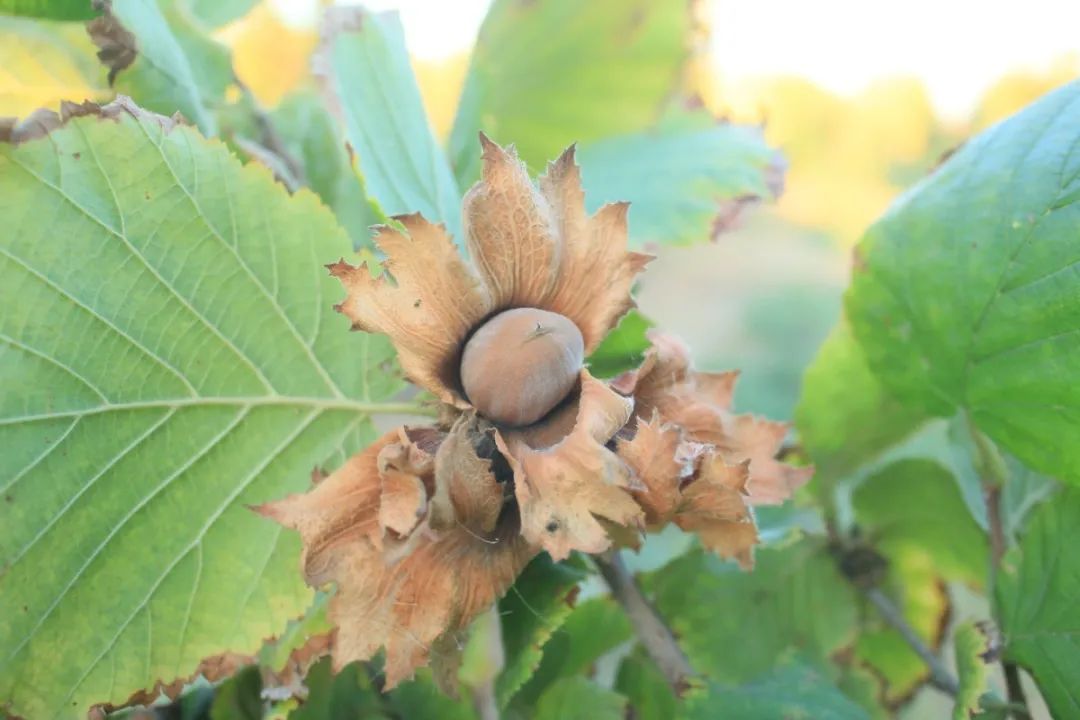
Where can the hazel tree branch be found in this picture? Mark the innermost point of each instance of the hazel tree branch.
(993, 476)
(940, 677)
(653, 633)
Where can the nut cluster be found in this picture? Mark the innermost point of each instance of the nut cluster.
(429, 525)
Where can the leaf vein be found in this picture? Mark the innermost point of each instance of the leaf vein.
(318, 366)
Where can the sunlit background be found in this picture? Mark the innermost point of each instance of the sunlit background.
(861, 95)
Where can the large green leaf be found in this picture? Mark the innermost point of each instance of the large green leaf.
(792, 691)
(917, 504)
(176, 67)
(169, 355)
(1037, 590)
(51, 9)
(549, 73)
(735, 625)
(369, 80)
(534, 608)
(845, 415)
(685, 180)
(966, 294)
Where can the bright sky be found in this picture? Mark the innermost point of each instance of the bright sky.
(957, 47)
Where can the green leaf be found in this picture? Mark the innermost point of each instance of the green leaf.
(215, 13)
(859, 683)
(169, 356)
(845, 416)
(795, 599)
(536, 605)
(965, 294)
(348, 694)
(917, 504)
(547, 74)
(420, 698)
(576, 698)
(591, 630)
(312, 136)
(42, 63)
(1024, 490)
(369, 81)
(51, 9)
(1036, 595)
(624, 347)
(685, 184)
(177, 68)
(238, 697)
(792, 691)
(971, 669)
(646, 688)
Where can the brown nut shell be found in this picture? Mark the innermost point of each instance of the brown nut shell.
(520, 364)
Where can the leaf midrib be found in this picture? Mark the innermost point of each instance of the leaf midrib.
(314, 403)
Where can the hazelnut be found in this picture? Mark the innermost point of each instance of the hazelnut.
(520, 364)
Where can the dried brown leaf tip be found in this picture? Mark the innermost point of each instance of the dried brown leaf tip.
(429, 526)
(701, 465)
(41, 122)
(566, 489)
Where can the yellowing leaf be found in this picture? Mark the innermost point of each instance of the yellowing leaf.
(269, 56)
(43, 63)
